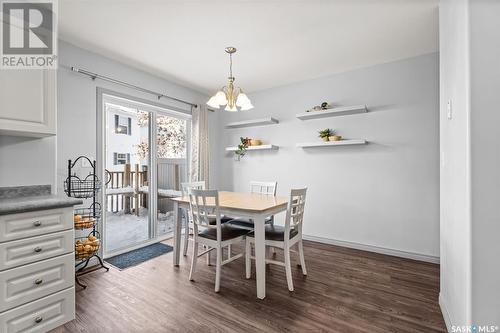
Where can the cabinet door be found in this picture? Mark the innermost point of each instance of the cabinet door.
(41, 315)
(28, 103)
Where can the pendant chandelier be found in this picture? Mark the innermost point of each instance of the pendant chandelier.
(230, 96)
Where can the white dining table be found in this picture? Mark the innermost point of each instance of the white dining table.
(245, 205)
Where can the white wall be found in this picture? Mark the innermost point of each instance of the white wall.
(27, 161)
(470, 161)
(485, 160)
(455, 182)
(384, 194)
(77, 100)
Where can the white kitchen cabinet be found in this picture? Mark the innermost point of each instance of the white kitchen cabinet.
(41, 315)
(28, 283)
(37, 270)
(28, 102)
(29, 224)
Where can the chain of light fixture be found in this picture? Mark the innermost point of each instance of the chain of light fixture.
(230, 96)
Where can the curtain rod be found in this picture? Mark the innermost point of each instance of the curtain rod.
(125, 84)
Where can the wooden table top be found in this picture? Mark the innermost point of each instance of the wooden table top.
(244, 201)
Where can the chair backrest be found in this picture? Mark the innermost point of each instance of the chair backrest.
(201, 185)
(268, 188)
(295, 211)
(204, 204)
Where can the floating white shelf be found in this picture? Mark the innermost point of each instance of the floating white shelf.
(253, 122)
(261, 147)
(332, 143)
(333, 112)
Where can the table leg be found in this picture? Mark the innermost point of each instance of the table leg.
(177, 233)
(260, 256)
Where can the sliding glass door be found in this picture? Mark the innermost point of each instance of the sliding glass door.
(172, 135)
(145, 151)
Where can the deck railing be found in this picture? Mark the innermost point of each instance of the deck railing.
(125, 188)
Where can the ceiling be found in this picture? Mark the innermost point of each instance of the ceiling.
(279, 41)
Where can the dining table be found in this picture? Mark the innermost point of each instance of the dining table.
(253, 206)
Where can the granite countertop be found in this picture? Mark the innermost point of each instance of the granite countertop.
(42, 202)
(22, 199)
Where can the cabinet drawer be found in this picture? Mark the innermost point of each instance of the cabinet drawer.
(30, 282)
(42, 315)
(29, 250)
(17, 226)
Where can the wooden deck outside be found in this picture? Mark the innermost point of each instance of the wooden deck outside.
(126, 190)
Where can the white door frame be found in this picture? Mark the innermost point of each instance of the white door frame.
(154, 109)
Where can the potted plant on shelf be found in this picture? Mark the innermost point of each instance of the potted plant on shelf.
(242, 148)
(325, 134)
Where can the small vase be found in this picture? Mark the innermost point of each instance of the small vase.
(335, 138)
(255, 142)
(325, 138)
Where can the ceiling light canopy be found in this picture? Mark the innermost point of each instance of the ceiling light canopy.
(230, 96)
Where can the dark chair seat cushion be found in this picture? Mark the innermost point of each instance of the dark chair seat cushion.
(241, 223)
(228, 232)
(223, 219)
(247, 223)
(268, 219)
(276, 233)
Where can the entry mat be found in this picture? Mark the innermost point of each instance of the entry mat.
(135, 257)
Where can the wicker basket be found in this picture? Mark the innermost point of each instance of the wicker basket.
(86, 218)
(84, 223)
(86, 248)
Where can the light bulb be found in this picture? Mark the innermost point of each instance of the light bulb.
(247, 106)
(220, 98)
(242, 100)
(213, 102)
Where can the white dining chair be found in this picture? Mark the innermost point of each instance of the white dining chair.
(283, 237)
(188, 225)
(258, 187)
(204, 205)
(185, 187)
(265, 188)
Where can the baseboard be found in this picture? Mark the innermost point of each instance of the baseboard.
(444, 311)
(376, 249)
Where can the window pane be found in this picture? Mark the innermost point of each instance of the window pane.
(127, 161)
(123, 121)
(171, 137)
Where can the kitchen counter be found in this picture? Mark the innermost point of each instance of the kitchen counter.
(29, 204)
(37, 265)
(15, 200)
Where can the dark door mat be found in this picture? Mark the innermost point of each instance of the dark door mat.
(138, 256)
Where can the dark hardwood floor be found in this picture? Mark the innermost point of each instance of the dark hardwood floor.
(345, 291)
